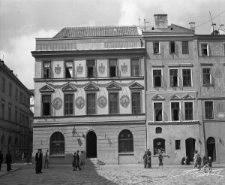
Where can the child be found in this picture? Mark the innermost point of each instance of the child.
(160, 160)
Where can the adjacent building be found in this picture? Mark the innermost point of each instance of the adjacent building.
(90, 94)
(15, 114)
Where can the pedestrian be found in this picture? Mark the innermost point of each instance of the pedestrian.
(78, 160)
(149, 161)
(46, 164)
(160, 160)
(199, 161)
(204, 162)
(38, 159)
(74, 163)
(195, 158)
(210, 163)
(1, 160)
(8, 161)
(82, 161)
(145, 158)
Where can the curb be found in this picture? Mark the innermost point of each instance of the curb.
(6, 173)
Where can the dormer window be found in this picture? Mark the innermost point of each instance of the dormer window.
(69, 69)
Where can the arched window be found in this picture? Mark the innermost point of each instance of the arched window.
(159, 145)
(158, 130)
(57, 144)
(125, 141)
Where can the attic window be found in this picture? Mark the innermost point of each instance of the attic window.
(156, 47)
(172, 47)
(205, 51)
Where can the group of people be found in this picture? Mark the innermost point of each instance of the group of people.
(78, 160)
(39, 160)
(147, 159)
(25, 157)
(8, 160)
(202, 162)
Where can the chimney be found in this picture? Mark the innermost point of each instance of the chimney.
(213, 29)
(161, 21)
(192, 26)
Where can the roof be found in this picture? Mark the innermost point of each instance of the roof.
(104, 31)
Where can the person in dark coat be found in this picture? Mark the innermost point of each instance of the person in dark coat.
(182, 161)
(145, 158)
(8, 161)
(149, 161)
(187, 160)
(1, 160)
(38, 159)
(78, 160)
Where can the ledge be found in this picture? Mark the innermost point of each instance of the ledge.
(192, 122)
(128, 153)
(206, 64)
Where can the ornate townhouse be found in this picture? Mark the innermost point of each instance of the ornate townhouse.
(90, 94)
(15, 114)
(171, 90)
(211, 99)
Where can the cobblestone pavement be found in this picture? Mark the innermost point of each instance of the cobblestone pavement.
(112, 175)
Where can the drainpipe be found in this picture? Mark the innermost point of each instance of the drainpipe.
(203, 127)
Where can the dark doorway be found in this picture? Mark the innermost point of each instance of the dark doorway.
(91, 144)
(211, 148)
(190, 148)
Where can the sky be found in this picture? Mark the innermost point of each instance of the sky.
(21, 21)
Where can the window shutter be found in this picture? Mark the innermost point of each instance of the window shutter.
(176, 49)
(208, 50)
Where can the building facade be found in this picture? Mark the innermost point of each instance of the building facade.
(15, 114)
(171, 91)
(90, 95)
(211, 99)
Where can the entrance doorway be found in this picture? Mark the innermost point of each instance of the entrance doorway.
(211, 148)
(190, 148)
(91, 145)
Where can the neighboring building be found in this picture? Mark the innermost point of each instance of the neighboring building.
(211, 75)
(171, 91)
(14, 114)
(90, 95)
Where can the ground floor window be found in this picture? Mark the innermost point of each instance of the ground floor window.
(159, 146)
(125, 141)
(57, 144)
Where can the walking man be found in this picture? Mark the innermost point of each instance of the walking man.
(1, 160)
(38, 159)
(145, 158)
(78, 160)
(8, 161)
(149, 154)
(46, 159)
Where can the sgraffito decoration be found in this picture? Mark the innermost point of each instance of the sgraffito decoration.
(57, 103)
(80, 102)
(58, 70)
(101, 68)
(79, 69)
(124, 101)
(124, 68)
(102, 102)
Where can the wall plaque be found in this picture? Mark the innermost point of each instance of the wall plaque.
(57, 103)
(102, 102)
(124, 101)
(80, 102)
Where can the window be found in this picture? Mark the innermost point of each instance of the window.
(159, 146)
(3, 84)
(158, 111)
(188, 110)
(136, 102)
(177, 144)
(186, 77)
(57, 144)
(172, 47)
(21, 121)
(205, 51)
(175, 111)
(46, 105)
(68, 104)
(3, 111)
(16, 96)
(113, 103)
(113, 67)
(156, 47)
(21, 97)
(135, 67)
(173, 77)
(90, 68)
(10, 89)
(185, 49)
(207, 80)
(208, 109)
(47, 69)
(15, 116)
(158, 130)
(125, 141)
(91, 104)
(9, 113)
(157, 78)
(69, 69)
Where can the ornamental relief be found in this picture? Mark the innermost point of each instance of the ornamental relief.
(80, 102)
(58, 70)
(101, 69)
(124, 101)
(124, 68)
(102, 102)
(57, 103)
(79, 69)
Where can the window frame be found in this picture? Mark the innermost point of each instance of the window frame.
(87, 67)
(118, 109)
(207, 49)
(3, 111)
(210, 76)
(159, 50)
(178, 82)
(116, 67)
(51, 153)
(140, 96)
(153, 79)
(177, 144)
(95, 106)
(212, 109)
(65, 67)
(66, 94)
(172, 42)
(139, 67)
(130, 147)
(163, 144)
(183, 46)
(16, 94)
(50, 67)
(3, 84)
(10, 89)
(171, 112)
(42, 108)
(191, 78)
(153, 105)
(193, 110)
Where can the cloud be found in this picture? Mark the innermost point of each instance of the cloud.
(19, 58)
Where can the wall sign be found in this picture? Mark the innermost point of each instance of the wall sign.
(57, 103)
(80, 102)
(102, 102)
